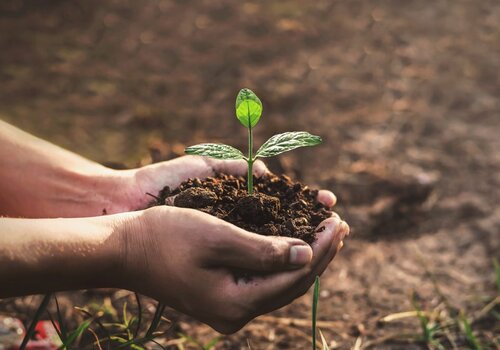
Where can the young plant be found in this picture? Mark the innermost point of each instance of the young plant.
(248, 112)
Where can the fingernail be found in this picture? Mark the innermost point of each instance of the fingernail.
(344, 229)
(300, 255)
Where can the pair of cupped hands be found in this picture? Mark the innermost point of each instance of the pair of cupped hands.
(188, 258)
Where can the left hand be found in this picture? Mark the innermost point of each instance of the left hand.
(152, 178)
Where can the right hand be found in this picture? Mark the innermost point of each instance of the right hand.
(186, 259)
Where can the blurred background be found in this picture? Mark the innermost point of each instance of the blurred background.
(404, 93)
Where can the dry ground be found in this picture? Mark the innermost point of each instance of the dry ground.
(405, 94)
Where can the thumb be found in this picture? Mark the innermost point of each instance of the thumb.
(251, 251)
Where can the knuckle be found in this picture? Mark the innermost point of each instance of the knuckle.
(219, 241)
(274, 254)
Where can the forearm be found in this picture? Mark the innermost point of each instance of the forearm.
(39, 179)
(46, 255)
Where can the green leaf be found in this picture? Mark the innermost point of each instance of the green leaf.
(215, 150)
(286, 142)
(248, 108)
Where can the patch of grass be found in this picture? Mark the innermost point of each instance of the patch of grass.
(431, 330)
(448, 327)
(469, 334)
(442, 327)
(120, 334)
(208, 346)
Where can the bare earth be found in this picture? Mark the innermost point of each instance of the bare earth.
(404, 93)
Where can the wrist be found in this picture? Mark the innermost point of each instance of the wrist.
(85, 253)
(129, 193)
(120, 232)
(150, 241)
(116, 190)
(94, 254)
(104, 192)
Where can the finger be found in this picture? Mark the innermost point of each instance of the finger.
(337, 244)
(302, 285)
(334, 215)
(240, 249)
(153, 177)
(327, 198)
(259, 168)
(236, 167)
(260, 290)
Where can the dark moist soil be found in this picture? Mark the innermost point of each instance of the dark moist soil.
(278, 207)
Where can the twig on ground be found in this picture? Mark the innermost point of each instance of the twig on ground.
(97, 341)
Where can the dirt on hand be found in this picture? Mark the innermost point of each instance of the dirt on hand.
(278, 206)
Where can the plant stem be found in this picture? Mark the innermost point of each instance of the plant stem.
(250, 161)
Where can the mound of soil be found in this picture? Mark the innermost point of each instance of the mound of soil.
(278, 207)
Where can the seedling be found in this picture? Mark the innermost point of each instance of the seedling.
(248, 112)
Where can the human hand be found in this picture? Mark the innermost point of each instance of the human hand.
(187, 259)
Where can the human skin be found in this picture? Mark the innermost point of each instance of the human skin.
(56, 237)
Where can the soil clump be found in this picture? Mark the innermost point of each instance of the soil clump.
(278, 206)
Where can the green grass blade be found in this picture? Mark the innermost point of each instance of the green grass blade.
(139, 316)
(424, 321)
(469, 335)
(99, 323)
(129, 343)
(314, 310)
(55, 327)
(75, 334)
(156, 319)
(125, 319)
(136, 347)
(34, 321)
(62, 326)
(211, 344)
